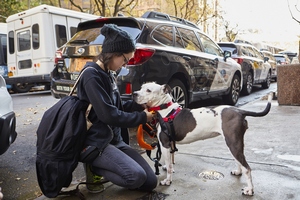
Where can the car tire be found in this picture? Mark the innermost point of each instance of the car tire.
(179, 93)
(248, 87)
(267, 83)
(21, 87)
(234, 93)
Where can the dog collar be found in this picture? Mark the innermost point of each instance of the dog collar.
(162, 106)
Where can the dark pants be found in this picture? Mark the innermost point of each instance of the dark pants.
(125, 167)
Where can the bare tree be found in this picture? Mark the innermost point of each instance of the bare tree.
(297, 9)
(108, 7)
(230, 31)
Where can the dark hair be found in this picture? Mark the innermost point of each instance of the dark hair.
(106, 57)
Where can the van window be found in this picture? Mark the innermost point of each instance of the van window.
(190, 40)
(11, 43)
(3, 50)
(73, 31)
(61, 35)
(35, 36)
(23, 40)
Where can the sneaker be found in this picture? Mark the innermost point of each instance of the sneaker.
(95, 185)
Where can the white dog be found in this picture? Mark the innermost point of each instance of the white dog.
(190, 125)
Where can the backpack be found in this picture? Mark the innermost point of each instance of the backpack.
(60, 139)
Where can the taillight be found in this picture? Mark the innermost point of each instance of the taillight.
(238, 60)
(141, 55)
(58, 56)
(128, 89)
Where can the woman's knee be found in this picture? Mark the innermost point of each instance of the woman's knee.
(137, 179)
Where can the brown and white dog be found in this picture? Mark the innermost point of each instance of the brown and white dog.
(191, 125)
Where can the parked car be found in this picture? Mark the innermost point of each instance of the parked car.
(7, 118)
(282, 59)
(290, 54)
(255, 67)
(168, 51)
(273, 63)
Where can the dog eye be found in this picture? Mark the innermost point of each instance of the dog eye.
(148, 90)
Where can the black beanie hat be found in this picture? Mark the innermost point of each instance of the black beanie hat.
(116, 40)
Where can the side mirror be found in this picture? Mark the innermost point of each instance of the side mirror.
(266, 59)
(227, 54)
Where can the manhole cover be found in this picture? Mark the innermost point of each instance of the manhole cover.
(211, 175)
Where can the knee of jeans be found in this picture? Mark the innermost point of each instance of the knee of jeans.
(138, 179)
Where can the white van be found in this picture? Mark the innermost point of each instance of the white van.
(3, 49)
(33, 37)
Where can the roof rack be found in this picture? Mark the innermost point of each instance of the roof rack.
(163, 16)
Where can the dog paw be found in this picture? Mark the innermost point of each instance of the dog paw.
(236, 172)
(247, 191)
(166, 182)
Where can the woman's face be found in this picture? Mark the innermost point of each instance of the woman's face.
(118, 61)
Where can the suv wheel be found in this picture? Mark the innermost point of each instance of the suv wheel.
(267, 83)
(233, 96)
(179, 93)
(247, 88)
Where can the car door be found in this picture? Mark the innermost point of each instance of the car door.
(264, 66)
(256, 63)
(201, 66)
(222, 70)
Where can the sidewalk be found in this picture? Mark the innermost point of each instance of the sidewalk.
(271, 149)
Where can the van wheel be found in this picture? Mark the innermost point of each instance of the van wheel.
(21, 87)
(179, 93)
(233, 96)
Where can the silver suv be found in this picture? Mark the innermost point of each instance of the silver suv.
(7, 118)
(255, 67)
(168, 51)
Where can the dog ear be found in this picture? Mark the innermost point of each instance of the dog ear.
(167, 89)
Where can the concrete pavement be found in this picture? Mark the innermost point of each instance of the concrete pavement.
(271, 149)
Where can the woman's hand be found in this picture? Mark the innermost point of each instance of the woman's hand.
(150, 115)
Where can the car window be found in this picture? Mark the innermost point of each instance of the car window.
(258, 54)
(163, 34)
(244, 51)
(178, 40)
(209, 46)
(229, 47)
(93, 36)
(189, 38)
(251, 52)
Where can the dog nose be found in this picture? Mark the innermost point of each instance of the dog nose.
(135, 94)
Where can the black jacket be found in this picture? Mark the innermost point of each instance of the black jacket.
(110, 115)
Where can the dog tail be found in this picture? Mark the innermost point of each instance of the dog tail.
(262, 113)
